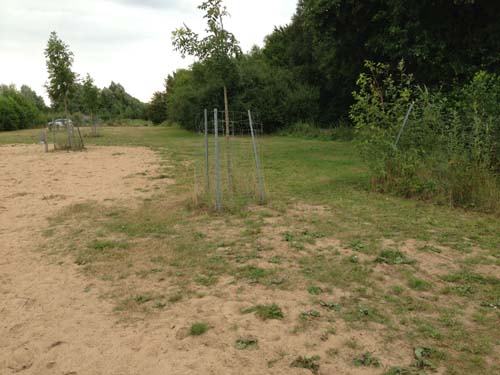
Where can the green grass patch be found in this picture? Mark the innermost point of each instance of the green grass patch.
(198, 329)
(266, 312)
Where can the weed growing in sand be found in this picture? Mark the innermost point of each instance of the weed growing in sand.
(309, 315)
(315, 290)
(266, 312)
(142, 299)
(246, 343)
(332, 306)
(198, 329)
(310, 363)
(393, 257)
(206, 280)
(367, 360)
(159, 305)
(419, 284)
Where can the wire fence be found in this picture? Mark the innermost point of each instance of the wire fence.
(230, 172)
(69, 133)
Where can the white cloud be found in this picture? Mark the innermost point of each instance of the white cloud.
(126, 41)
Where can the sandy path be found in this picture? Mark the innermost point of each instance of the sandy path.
(48, 325)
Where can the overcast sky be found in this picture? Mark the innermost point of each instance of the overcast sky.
(126, 41)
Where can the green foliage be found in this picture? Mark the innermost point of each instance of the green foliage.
(307, 70)
(17, 111)
(272, 92)
(198, 329)
(315, 290)
(157, 109)
(61, 78)
(367, 359)
(449, 150)
(266, 312)
(307, 363)
(216, 49)
(246, 343)
(116, 103)
(90, 95)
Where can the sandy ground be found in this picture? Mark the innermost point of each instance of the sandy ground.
(49, 325)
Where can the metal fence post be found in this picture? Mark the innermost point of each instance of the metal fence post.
(262, 196)
(404, 125)
(45, 140)
(207, 171)
(217, 162)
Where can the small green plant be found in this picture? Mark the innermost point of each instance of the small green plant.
(288, 237)
(253, 273)
(397, 370)
(159, 305)
(397, 289)
(308, 315)
(206, 280)
(142, 299)
(266, 312)
(198, 329)
(367, 360)
(419, 284)
(307, 363)
(315, 290)
(393, 257)
(246, 343)
(422, 358)
(357, 245)
(330, 305)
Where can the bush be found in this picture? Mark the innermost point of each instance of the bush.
(16, 111)
(310, 131)
(449, 150)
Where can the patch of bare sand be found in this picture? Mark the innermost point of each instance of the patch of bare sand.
(48, 324)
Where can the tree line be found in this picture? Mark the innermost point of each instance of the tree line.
(307, 70)
(69, 95)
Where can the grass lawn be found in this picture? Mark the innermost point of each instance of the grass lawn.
(361, 275)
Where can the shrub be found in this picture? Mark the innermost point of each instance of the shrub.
(449, 149)
(16, 111)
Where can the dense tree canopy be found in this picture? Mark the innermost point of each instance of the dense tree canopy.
(157, 108)
(62, 79)
(315, 60)
(17, 110)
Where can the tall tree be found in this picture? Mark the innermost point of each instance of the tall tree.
(90, 96)
(157, 109)
(31, 95)
(217, 48)
(61, 78)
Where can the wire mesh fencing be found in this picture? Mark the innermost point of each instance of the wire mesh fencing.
(64, 135)
(229, 174)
